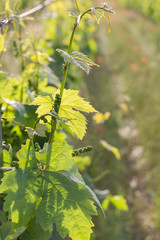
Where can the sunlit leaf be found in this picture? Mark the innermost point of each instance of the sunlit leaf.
(45, 104)
(70, 204)
(71, 106)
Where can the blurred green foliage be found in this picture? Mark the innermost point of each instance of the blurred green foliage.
(147, 7)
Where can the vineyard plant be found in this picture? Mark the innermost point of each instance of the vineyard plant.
(42, 194)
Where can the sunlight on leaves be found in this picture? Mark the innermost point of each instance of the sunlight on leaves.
(71, 106)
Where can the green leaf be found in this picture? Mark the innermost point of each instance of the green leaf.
(119, 202)
(35, 232)
(15, 104)
(57, 156)
(5, 229)
(7, 157)
(70, 204)
(78, 59)
(70, 108)
(39, 130)
(109, 147)
(24, 113)
(26, 156)
(22, 189)
(14, 234)
(45, 103)
(70, 176)
(3, 217)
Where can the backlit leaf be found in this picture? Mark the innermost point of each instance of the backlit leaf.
(23, 193)
(71, 207)
(45, 104)
(71, 106)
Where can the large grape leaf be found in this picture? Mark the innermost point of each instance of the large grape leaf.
(23, 192)
(66, 203)
(71, 106)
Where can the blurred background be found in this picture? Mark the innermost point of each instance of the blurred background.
(124, 166)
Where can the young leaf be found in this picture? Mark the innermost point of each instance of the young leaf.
(71, 207)
(78, 59)
(70, 108)
(97, 13)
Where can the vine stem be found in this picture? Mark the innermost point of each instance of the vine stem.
(65, 66)
(71, 40)
(67, 63)
(54, 121)
(21, 60)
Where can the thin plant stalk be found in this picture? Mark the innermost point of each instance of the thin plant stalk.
(66, 65)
